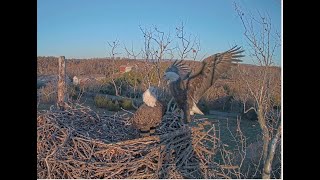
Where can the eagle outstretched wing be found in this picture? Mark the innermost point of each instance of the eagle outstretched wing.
(180, 68)
(211, 69)
(187, 89)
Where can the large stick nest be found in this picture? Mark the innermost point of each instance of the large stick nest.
(79, 143)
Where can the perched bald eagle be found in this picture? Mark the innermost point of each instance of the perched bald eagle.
(187, 88)
(150, 113)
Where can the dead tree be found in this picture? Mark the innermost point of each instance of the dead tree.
(186, 44)
(62, 83)
(114, 45)
(263, 42)
(131, 53)
(156, 45)
(162, 41)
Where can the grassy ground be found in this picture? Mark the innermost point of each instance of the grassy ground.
(86, 101)
(250, 129)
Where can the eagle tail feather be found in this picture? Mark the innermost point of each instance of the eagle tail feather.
(195, 110)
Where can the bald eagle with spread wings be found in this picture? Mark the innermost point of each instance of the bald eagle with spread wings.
(187, 88)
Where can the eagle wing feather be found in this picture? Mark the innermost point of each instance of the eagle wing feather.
(180, 68)
(210, 70)
(189, 88)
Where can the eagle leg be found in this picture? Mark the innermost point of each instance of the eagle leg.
(186, 118)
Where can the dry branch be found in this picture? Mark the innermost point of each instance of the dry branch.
(79, 143)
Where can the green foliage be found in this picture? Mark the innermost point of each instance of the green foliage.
(103, 102)
(100, 101)
(132, 78)
(126, 104)
(107, 89)
(112, 105)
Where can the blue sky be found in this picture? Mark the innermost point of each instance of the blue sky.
(81, 28)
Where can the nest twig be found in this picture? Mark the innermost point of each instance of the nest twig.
(79, 143)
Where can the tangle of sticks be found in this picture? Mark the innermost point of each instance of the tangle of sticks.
(79, 143)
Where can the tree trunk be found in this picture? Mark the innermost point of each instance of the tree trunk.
(62, 83)
(115, 87)
(265, 133)
(271, 151)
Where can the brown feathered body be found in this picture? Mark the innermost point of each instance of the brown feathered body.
(146, 117)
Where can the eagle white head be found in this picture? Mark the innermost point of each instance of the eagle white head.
(150, 96)
(170, 77)
(178, 70)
